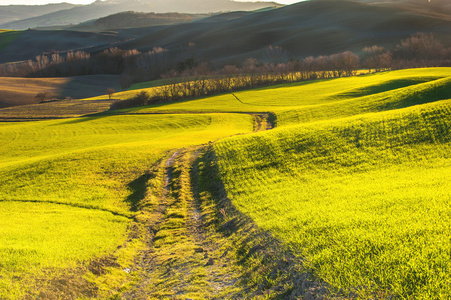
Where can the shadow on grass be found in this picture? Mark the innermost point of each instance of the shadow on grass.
(385, 87)
(270, 267)
(429, 92)
(91, 117)
(138, 188)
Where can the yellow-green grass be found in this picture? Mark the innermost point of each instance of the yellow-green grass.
(88, 169)
(315, 181)
(38, 237)
(123, 95)
(365, 200)
(89, 161)
(8, 36)
(348, 105)
(355, 179)
(330, 98)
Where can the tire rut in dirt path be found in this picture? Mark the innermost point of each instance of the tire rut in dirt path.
(146, 263)
(262, 121)
(182, 261)
(222, 272)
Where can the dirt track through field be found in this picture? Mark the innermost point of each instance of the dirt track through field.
(186, 259)
(185, 256)
(182, 259)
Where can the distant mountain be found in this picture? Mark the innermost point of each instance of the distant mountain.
(11, 13)
(100, 9)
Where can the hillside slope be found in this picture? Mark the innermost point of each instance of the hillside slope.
(12, 13)
(130, 19)
(436, 8)
(316, 27)
(100, 9)
(355, 178)
(347, 198)
(36, 42)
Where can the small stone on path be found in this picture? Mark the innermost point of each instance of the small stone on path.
(210, 262)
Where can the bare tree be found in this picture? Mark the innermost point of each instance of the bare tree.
(276, 55)
(110, 92)
(250, 69)
(350, 63)
(41, 97)
(372, 56)
(420, 47)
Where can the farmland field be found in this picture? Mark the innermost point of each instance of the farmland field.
(38, 237)
(354, 179)
(22, 91)
(88, 165)
(365, 200)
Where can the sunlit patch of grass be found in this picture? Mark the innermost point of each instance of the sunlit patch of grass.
(366, 200)
(91, 161)
(38, 236)
(94, 163)
(429, 91)
(355, 178)
(328, 99)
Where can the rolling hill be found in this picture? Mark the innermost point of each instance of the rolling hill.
(132, 19)
(13, 13)
(332, 188)
(316, 27)
(347, 197)
(100, 9)
(35, 42)
(436, 8)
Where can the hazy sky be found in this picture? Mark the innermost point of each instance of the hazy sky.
(36, 2)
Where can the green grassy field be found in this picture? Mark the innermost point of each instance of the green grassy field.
(90, 166)
(59, 160)
(329, 98)
(355, 178)
(41, 239)
(365, 200)
(8, 36)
